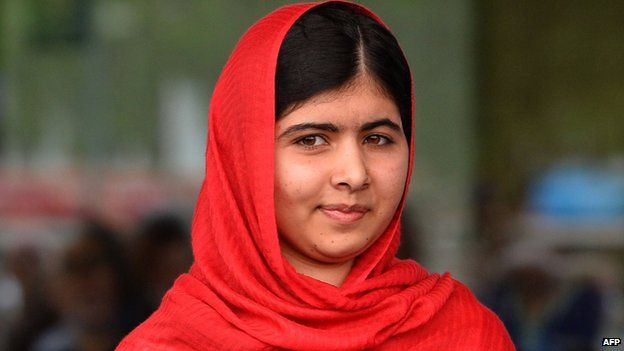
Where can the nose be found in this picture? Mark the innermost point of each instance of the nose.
(350, 170)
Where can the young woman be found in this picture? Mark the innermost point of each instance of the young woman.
(309, 155)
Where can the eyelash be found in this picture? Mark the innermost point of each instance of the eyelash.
(299, 141)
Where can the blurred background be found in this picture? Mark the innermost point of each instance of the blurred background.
(518, 186)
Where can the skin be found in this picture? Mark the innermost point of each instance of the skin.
(316, 167)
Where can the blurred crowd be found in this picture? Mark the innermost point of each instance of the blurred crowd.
(553, 300)
(553, 291)
(551, 266)
(98, 288)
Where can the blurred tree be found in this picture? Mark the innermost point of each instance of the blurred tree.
(60, 22)
(551, 85)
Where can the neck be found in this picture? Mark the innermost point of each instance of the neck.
(333, 273)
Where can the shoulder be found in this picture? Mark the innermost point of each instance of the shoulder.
(164, 330)
(184, 323)
(462, 323)
(475, 323)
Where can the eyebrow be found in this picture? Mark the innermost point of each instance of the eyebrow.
(378, 123)
(330, 127)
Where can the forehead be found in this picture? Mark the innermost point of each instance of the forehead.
(352, 105)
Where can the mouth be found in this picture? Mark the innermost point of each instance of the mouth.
(344, 213)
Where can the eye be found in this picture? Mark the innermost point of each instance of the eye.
(377, 139)
(311, 141)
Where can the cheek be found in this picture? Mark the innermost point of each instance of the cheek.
(392, 176)
(296, 181)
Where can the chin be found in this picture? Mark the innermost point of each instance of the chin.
(334, 253)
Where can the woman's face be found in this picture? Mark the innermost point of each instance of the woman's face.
(341, 164)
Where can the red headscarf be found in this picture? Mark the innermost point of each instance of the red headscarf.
(241, 294)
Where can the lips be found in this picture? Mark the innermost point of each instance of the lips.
(344, 213)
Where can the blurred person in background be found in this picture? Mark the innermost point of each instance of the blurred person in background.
(92, 294)
(162, 252)
(544, 308)
(35, 313)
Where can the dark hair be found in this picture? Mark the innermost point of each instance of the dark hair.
(331, 45)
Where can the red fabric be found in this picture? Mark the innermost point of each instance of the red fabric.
(241, 294)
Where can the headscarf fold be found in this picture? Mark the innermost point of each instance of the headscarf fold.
(241, 294)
